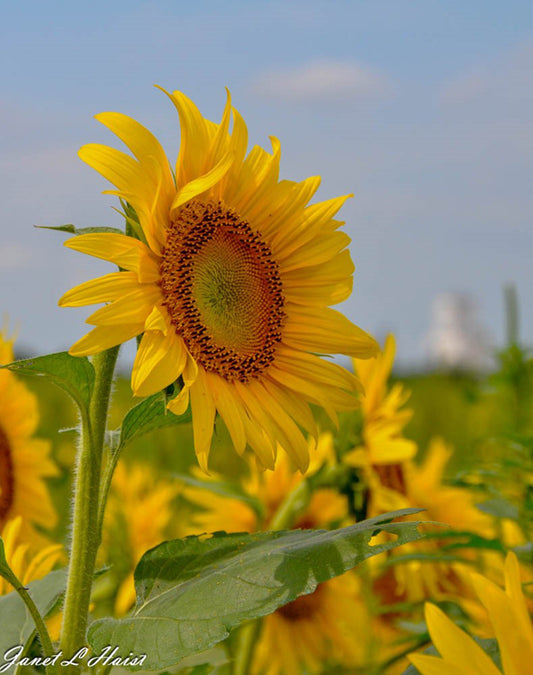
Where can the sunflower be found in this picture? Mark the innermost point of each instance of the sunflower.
(139, 516)
(511, 623)
(26, 562)
(25, 461)
(230, 282)
(384, 416)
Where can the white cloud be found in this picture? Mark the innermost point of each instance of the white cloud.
(323, 79)
(505, 80)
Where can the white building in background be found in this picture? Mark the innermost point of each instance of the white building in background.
(456, 339)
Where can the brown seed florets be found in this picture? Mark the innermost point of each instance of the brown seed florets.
(222, 290)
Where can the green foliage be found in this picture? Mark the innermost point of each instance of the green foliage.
(149, 415)
(72, 229)
(73, 374)
(17, 624)
(192, 592)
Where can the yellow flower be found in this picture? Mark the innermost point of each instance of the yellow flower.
(139, 516)
(25, 461)
(26, 563)
(383, 420)
(230, 283)
(511, 623)
(327, 624)
(269, 488)
(422, 487)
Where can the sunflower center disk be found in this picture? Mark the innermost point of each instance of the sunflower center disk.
(222, 290)
(6, 476)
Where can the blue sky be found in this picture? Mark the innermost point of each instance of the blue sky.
(422, 108)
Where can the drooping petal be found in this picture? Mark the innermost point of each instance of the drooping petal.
(203, 416)
(160, 360)
(228, 407)
(203, 183)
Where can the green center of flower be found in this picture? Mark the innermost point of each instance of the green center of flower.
(6, 476)
(222, 290)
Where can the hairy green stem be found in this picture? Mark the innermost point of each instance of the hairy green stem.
(42, 631)
(85, 520)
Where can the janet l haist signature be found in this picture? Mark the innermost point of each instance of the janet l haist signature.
(109, 656)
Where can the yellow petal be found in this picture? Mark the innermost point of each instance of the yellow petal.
(139, 140)
(512, 634)
(432, 665)
(179, 404)
(228, 407)
(326, 331)
(159, 362)
(455, 646)
(158, 320)
(104, 289)
(203, 183)
(195, 139)
(104, 337)
(126, 252)
(131, 308)
(203, 416)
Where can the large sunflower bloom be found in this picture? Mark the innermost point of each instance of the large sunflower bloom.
(230, 283)
(511, 624)
(25, 461)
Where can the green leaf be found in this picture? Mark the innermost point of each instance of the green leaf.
(500, 508)
(148, 415)
(72, 229)
(192, 592)
(73, 374)
(17, 625)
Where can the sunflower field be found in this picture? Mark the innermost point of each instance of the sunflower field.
(240, 503)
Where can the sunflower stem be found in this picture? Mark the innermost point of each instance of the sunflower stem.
(85, 530)
(40, 626)
(246, 643)
(291, 507)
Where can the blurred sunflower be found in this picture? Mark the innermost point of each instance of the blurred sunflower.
(25, 461)
(139, 516)
(230, 281)
(26, 562)
(511, 623)
(330, 624)
(383, 444)
(423, 487)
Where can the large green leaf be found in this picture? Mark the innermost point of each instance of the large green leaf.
(73, 374)
(192, 592)
(15, 620)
